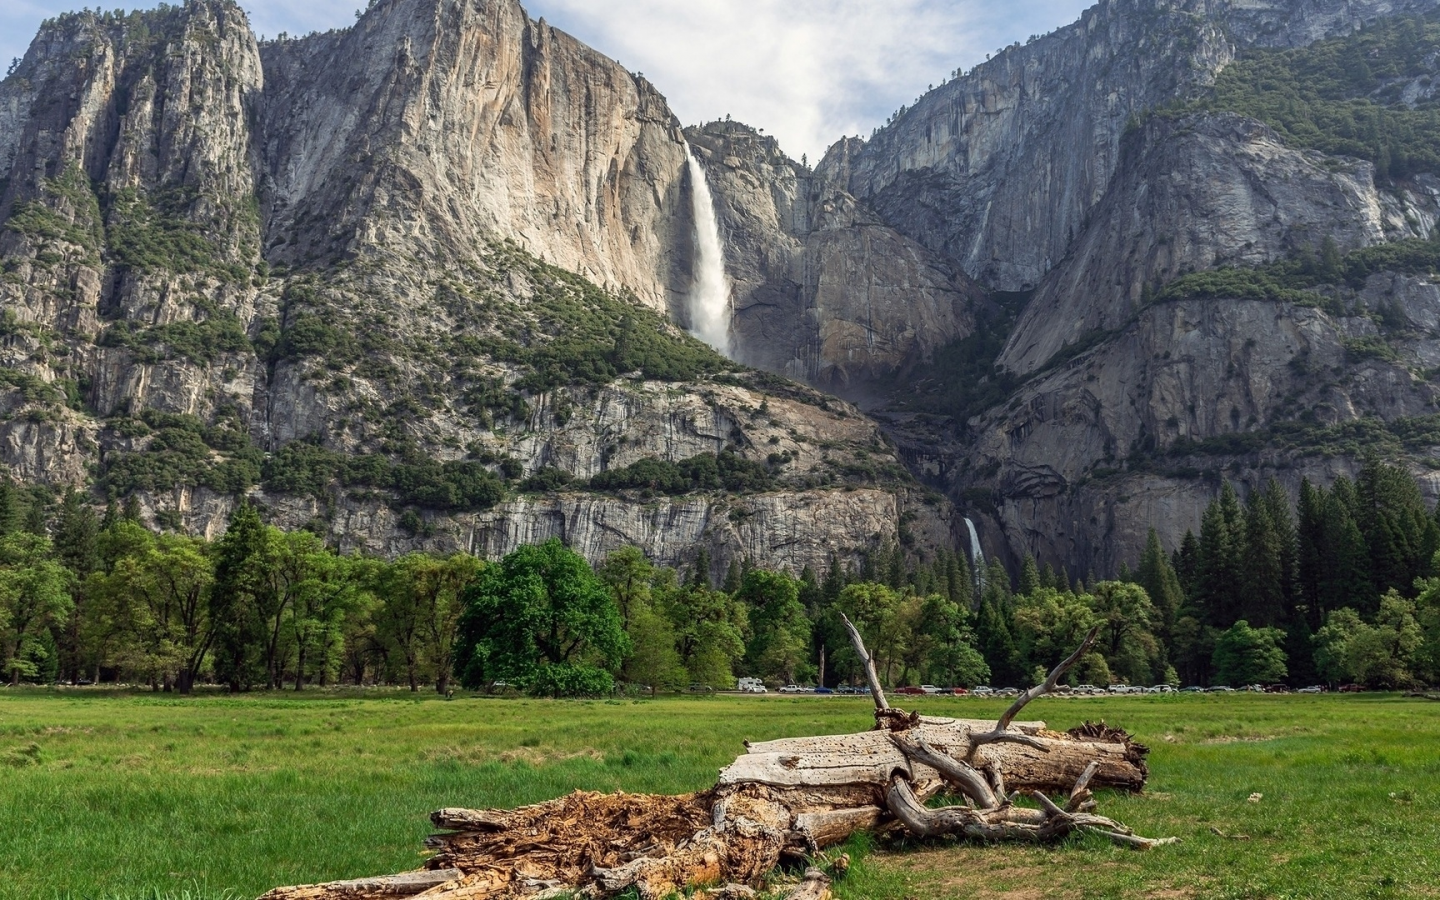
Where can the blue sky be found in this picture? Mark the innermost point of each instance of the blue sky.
(806, 71)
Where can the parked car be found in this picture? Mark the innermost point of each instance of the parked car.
(1163, 689)
(750, 686)
(1312, 689)
(792, 689)
(698, 688)
(1007, 692)
(958, 691)
(909, 689)
(1277, 689)
(1221, 689)
(983, 690)
(1351, 688)
(930, 689)
(822, 689)
(1193, 689)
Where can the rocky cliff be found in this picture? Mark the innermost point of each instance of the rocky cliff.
(1093, 169)
(407, 283)
(1001, 167)
(398, 283)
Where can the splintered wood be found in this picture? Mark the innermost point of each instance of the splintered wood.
(783, 799)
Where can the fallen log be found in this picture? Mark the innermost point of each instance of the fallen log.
(781, 799)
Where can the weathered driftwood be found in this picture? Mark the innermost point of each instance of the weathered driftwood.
(787, 798)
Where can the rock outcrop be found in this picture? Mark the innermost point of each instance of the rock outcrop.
(1200, 192)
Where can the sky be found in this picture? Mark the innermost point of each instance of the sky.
(806, 71)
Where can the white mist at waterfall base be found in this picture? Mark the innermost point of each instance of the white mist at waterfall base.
(710, 289)
(977, 556)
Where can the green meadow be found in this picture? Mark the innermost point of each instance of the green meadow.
(128, 795)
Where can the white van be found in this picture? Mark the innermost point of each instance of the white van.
(750, 686)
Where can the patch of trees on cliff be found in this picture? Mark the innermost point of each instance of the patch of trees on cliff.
(1368, 95)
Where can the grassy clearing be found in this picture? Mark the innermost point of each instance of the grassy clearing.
(131, 796)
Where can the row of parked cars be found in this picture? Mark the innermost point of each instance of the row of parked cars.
(754, 686)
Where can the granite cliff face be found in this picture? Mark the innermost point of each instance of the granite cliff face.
(1202, 192)
(1000, 168)
(406, 283)
(236, 269)
(435, 124)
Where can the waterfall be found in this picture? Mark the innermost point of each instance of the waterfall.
(977, 558)
(710, 290)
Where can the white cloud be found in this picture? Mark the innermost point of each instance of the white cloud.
(806, 71)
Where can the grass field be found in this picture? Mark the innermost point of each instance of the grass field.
(134, 796)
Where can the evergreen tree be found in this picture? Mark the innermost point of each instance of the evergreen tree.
(993, 639)
(1029, 575)
(12, 507)
(1347, 579)
(732, 578)
(77, 533)
(1186, 562)
(700, 577)
(239, 626)
(834, 581)
(1157, 576)
(1282, 519)
(1313, 556)
(1399, 531)
(1262, 597)
(1220, 575)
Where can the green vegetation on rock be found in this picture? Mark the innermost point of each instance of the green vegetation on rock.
(150, 235)
(199, 342)
(704, 472)
(67, 211)
(305, 468)
(181, 451)
(1346, 96)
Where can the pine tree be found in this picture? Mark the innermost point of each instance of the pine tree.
(76, 543)
(732, 578)
(1277, 502)
(700, 577)
(1186, 562)
(894, 566)
(1313, 558)
(1398, 529)
(995, 643)
(1049, 577)
(1220, 570)
(960, 583)
(1156, 575)
(239, 627)
(1029, 575)
(834, 581)
(1262, 595)
(1347, 580)
(12, 509)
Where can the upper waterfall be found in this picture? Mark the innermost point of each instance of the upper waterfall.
(710, 289)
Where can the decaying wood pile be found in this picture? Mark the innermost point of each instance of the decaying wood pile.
(784, 800)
